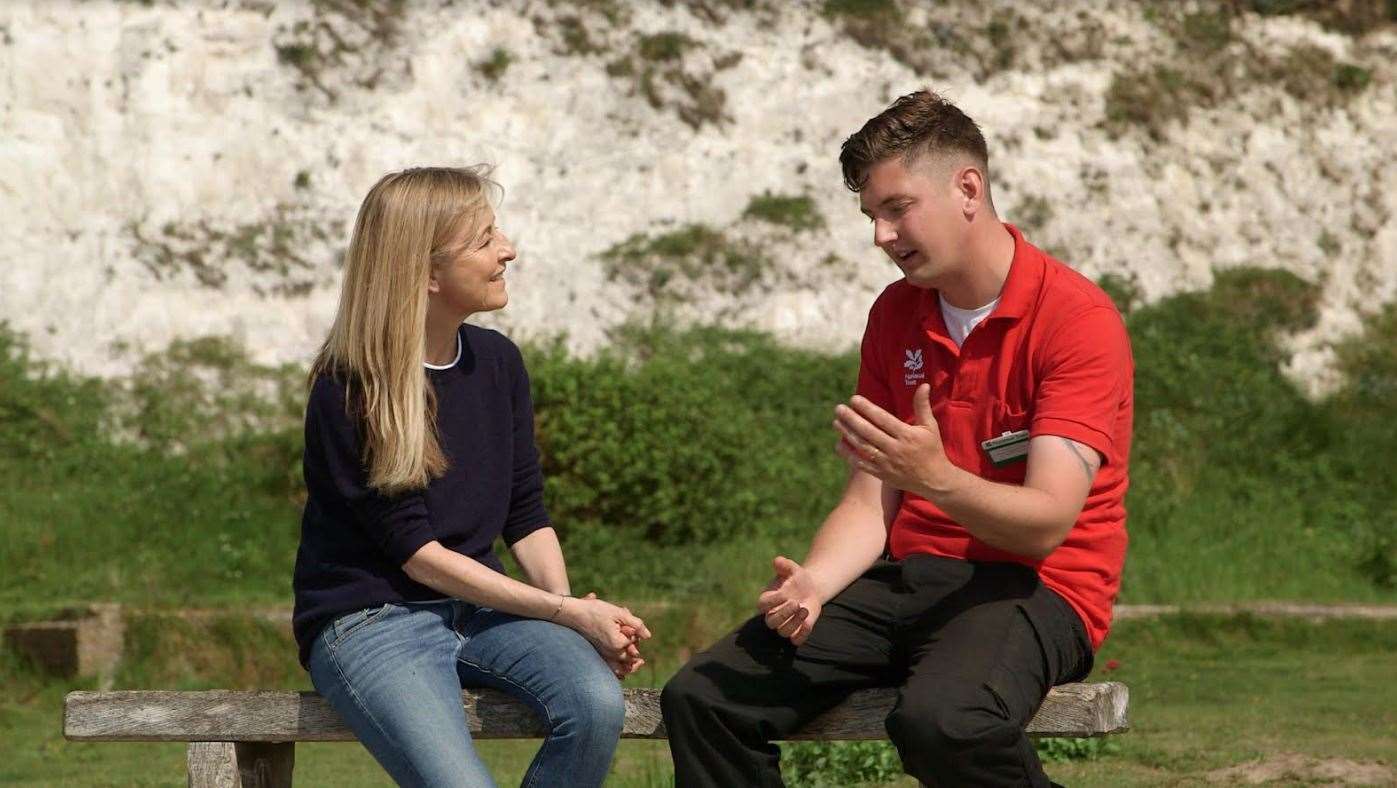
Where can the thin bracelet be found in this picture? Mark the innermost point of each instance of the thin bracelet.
(558, 609)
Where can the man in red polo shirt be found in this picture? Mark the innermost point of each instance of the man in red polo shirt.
(974, 557)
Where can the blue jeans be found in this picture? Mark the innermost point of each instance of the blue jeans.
(395, 673)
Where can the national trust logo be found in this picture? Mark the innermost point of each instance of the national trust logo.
(913, 366)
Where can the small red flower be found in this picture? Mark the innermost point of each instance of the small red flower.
(1112, 664)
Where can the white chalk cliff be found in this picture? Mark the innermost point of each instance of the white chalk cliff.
(175, 169)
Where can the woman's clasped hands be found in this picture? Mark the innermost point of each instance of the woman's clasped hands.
(615, 632)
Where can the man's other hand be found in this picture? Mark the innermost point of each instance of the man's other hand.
(791, 602)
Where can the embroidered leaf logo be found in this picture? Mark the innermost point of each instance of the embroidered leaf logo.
(914, 360)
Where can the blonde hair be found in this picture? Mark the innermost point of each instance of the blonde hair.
(406, 225)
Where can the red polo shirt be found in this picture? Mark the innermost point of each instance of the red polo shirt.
(1053, 358)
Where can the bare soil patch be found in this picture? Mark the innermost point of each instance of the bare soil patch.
(1293, 767)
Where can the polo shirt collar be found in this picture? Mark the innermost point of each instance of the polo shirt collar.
(1024, 281)
(1016, 298)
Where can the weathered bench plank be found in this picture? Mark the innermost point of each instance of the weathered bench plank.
(1077, 710)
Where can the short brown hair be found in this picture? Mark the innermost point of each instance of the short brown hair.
(915, 125)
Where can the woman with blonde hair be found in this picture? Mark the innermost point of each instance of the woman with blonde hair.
(419, 454)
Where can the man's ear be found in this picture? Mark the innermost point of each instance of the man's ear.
(970, 185)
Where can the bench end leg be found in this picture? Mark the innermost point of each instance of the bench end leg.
(221, 764)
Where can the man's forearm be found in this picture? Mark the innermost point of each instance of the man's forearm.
(847, 544)
(541, 557)
(1009, 517)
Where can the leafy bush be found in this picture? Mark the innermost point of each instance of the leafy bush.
(1152, 97)
(1123, 290)
(795, 212)
(863, 9)
(704, 435)
(493, 67)
(1054, 750)
(669, 45)
(207, 389)
(44, 409)
(1240, 483)
(694, 253)
(1368, 436)
(839, 764)
(1354, 18)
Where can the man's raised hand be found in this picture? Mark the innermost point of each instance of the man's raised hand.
(909, 457)
(791, 602)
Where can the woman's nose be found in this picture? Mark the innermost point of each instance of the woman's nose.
(507, 251)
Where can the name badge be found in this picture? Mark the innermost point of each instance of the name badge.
(1007, 448)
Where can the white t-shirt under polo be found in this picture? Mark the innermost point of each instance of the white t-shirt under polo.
(959, 321)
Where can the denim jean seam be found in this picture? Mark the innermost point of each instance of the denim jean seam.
(375, 612)
(364, 709)
(547, 714)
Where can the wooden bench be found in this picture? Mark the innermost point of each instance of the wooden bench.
(248, 738)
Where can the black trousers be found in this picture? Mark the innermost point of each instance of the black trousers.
(973, 647)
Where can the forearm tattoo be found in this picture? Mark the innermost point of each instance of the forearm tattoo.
(1089, 465)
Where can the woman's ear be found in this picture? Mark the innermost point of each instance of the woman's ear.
(433, 286)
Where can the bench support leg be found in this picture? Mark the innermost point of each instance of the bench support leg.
(221, 764)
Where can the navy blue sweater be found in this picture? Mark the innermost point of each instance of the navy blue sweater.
(354, 540)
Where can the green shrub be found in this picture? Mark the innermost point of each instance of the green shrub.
(207, 389)
(1209, 30)
(862, 9)
(664, 46)
(1349, 78)
(698, 436)
(1123, 290)
(839, 764)
(493, 67)
(1152, 97)
(44, 410)
(1354, 18)
(694, 253)
(1364, 409)
(575, 38)
(1238, 481)
(1056, 750)
(798, 212)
